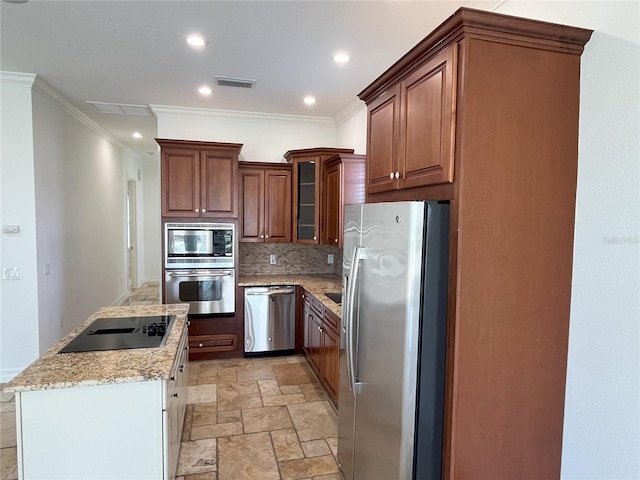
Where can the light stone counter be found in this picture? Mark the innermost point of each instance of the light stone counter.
(53, 370)
(316, 285)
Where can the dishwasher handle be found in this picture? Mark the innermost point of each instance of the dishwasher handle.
(270, 293)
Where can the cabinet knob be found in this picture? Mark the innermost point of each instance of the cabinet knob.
(201, 344)
(175, 395)
(172, 378)
(315, 238)
(270, 339)
(391, 175)
(204, 211)
(181, 368)
(397, 175)
(266, 236)
(335, 240)
(261, 236)
(197, 210)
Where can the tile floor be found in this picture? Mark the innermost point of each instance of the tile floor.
(253, 419)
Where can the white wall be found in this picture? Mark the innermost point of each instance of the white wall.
(134, 171)
(152, 228)
(601, 429)
(351, 127)
(265, 137)
(19, 298)
(80, 187)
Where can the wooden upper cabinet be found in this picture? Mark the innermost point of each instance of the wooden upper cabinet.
(265, 202)
(342, 184)
(307, 188)
(199, 179)
(411, 127)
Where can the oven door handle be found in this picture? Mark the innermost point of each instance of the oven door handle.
(199, 274)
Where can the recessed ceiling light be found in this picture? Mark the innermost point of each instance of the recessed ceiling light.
(309, 100)
(136, 135)
(196, 41)
(341, 58)
(204, 90)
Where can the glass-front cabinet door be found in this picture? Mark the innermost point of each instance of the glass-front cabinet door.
(307, 188)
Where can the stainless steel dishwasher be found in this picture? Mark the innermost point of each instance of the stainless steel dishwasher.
(269, 319)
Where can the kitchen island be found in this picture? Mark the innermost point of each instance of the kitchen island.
(113, 414)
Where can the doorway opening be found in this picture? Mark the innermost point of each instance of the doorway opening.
(132, 255)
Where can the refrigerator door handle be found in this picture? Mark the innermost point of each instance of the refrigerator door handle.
(358, 254)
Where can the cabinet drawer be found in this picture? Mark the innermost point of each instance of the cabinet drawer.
(317, 306)
(213, 343)
(331, 320)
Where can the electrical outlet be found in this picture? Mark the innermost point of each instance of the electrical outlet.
(47, 269)
(12, 273)
(273, 259)
(330, 259)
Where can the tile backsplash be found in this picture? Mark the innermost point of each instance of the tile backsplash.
(291, 258)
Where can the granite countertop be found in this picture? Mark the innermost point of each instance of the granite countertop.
(53, 370)
(317, 285)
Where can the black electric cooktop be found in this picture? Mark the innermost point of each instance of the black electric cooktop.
(122, 333)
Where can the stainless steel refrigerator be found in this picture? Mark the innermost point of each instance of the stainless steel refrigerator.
(392, 347)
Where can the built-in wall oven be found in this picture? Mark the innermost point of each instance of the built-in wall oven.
(199, 266)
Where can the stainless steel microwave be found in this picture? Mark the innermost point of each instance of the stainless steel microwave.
(199, 245)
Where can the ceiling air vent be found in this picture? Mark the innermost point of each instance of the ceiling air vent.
(120, 108)
(235, 82)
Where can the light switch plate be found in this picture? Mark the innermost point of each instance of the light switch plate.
(273, 259)
(330, 259)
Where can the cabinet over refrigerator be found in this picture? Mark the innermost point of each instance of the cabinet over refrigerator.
(392, 352)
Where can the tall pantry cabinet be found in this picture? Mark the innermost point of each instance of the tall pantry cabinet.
(483, 113)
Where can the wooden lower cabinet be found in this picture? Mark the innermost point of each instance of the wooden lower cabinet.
(321, 343)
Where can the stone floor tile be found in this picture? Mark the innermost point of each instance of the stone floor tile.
(296, 359)
(205, 414)
(308, 467)
(265, 418)
(247, 457)
(269, 360)
(333, 445)
(202, 476)
(293, 374)
(7, 429)
(313, 392)
(9, 463)
(289, 389)
(286, 445)
(234, 396)
(283, 399)
(268, 388)
(263, 372)
(202, 394)
(197, 456)
(315, 448)
(216, 430)
(234, 362)
(314, 420)
(221, 375)
(186, 426)
(230, 416)
(331, 476)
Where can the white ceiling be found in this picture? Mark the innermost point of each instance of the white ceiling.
(134, 52)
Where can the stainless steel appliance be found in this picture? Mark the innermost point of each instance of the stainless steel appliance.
(199, 266)
(207, 291)
(122, 333)
(199, 245)
(269, 319)
(392, 349)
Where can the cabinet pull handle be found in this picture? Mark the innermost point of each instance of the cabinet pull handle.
(397, 175)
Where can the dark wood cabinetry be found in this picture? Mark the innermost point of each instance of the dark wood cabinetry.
(321, 343)
(484, 113)
(307, 185)
(342, 183)
(265, 202)
(199, 179)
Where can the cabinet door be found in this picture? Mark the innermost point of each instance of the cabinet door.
(306, 196)
(180, 183)
(277, 206)
(330, 368)
(428, 99)
(383, 141)
(252, 205)
(219, 177)
(315, 340)
(332, 205)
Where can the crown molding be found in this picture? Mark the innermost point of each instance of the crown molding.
(488, 5)
(354, 106)
(213, 114)
(16, 78)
